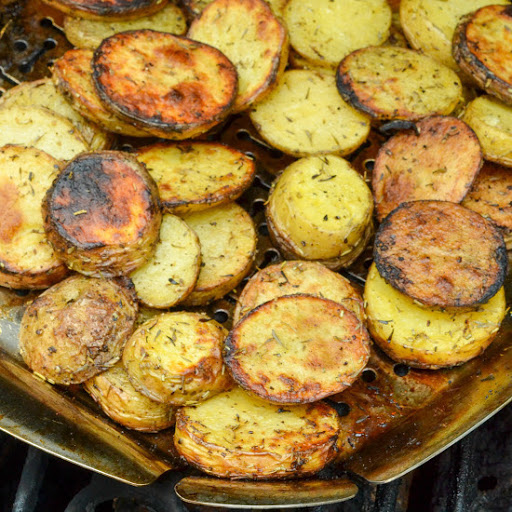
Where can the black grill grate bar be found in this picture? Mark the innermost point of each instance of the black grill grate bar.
(31, 481)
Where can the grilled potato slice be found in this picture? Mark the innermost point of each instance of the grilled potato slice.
(84, 33)
(292, 277)
(320, 208)
(114, 393)
(324, 32)
(481, 47)
(441, 254)
(194, 97)
(397, 83)
(43, 93)
(428, 337)
(297, 349)
(236, 435)
(194, 176)
(252, 38)
(492, 122)
(429, 25)
(176, 359)
(76, 329)
(72, 73)
(42, 129)
(491, 197)
(171, 273)
(440, 162)
(26, 258)
(228, 246)
(195, 7)
(102, 214)
(305, 116)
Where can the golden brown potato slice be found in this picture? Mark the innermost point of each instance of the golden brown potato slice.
(171, 273)
(43, 93)
(26, 258)
(42, 129)
(428, 337)
(429, 25)
(492, 122)
(292, 277)
(305, 115)
(195, 7)
(170, 86)
(236, 435)
(481, 47)
(397, 83)
(194, 176)
(84, 33)
(252, 38)
(324, 32)
(441, 254)
(111, 9)
(440, 162)
(76, 329)
(297, 349)
(491, 197)
(175, 358)
(320, 208)
(102, 214)
(115, 394)
(228, 246)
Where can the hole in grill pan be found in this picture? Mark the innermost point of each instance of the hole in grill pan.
(487, 483)
(20, 45)
(401, 369)
(49, 44)
(369, 375)
(221, 316)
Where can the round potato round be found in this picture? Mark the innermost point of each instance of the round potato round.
(77, 329)
(102, 214)
(175, 358)
(194, 97)
(236, 435)
(292, 277)
(440, 162)
(441, 254)
(114, 393)
(428, 337)
(297, 349)
(390, 83)
(26, 258)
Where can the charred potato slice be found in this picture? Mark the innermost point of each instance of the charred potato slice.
(72, 73)
(132, 78)
(297, 349)
(195, 7)
(320, 208)
(252, 38)
(84, 33)
(481, 47)
(76, 329)
(492, 122)
(439, 162)
(292, 277)
(324, 32)
(390, 83)
(228, 246)
(26, 258)
(114, 393)
(428, 337)
(429, 25)
(194, 176)
(236, 435)
(102, 214)
(441, 254)
(43, 93)
(305, 115)
(491, 197)
(176, 358)
(171, 273)
(42, 129)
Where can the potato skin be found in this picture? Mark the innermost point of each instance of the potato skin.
(77, 329)
(441, 254)
(102, 214)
